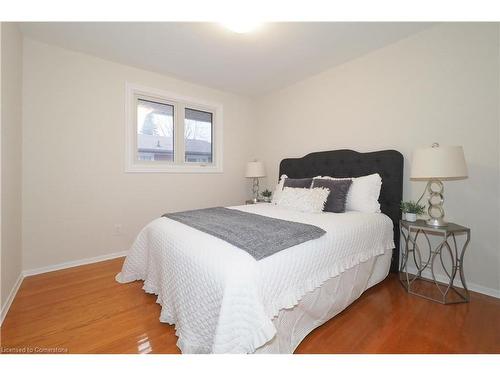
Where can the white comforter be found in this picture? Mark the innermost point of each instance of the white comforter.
(222, 300)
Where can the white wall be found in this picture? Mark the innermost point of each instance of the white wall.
(74, 186)
(11, 158)
(440, 85)
(1, 282)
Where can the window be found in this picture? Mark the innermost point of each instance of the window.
(155, 131)
(169, 133)
(197, 136)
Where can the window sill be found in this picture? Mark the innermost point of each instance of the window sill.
(173, 169)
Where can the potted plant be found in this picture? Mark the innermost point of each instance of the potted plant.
(266, 195)
(411, 209)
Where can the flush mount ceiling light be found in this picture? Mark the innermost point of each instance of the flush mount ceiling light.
(241, 27)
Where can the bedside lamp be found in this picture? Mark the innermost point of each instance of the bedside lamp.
(435, 164)
(255, 169)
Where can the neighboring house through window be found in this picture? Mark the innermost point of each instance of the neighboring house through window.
(170, 133)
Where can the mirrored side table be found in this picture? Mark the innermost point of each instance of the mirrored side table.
(418, 265)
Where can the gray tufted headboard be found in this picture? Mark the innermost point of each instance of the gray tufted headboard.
(349, 163)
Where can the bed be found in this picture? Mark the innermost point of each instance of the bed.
(224, 301)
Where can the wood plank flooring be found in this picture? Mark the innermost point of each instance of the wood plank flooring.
(83, 310)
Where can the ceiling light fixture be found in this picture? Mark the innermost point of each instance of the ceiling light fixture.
(241, 27)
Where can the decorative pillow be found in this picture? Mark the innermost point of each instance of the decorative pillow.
(338, 193)
(363, 193)
(279, 189)
(304, 199)
(298, 182)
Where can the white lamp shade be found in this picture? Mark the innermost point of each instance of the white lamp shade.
(439, 162)
(255, 169)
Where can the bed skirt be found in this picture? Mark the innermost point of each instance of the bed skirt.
(322, 304)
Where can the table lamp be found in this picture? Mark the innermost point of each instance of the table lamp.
(255, 169)
(436, 164)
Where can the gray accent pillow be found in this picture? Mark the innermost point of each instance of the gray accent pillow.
(298, 183)
(338, 193)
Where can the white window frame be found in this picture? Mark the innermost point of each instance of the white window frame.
(179, 165)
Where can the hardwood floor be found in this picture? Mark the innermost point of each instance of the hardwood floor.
(83, 310)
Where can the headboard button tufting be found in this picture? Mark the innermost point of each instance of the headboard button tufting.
(349, 163)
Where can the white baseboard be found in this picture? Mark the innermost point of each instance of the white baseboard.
(471, 286)
(74, 263)
(10, 298)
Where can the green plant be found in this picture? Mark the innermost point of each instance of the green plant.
(412, 208)
(266, 193)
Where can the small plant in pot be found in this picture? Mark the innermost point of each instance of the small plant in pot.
(412, 210)
(266, 195)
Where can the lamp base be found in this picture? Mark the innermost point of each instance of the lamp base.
(255, 189)
(436, 222)
(436, 199)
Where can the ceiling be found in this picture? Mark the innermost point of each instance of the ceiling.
(274, 56)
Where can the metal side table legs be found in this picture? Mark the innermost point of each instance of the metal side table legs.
(425, 262)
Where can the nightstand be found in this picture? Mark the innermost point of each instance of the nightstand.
(425, 263)
(250, 201)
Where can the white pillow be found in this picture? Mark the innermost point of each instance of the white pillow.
(279, 189)
(304, 199)
(363, 193)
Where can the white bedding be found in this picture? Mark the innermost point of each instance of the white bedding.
(222, 300)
